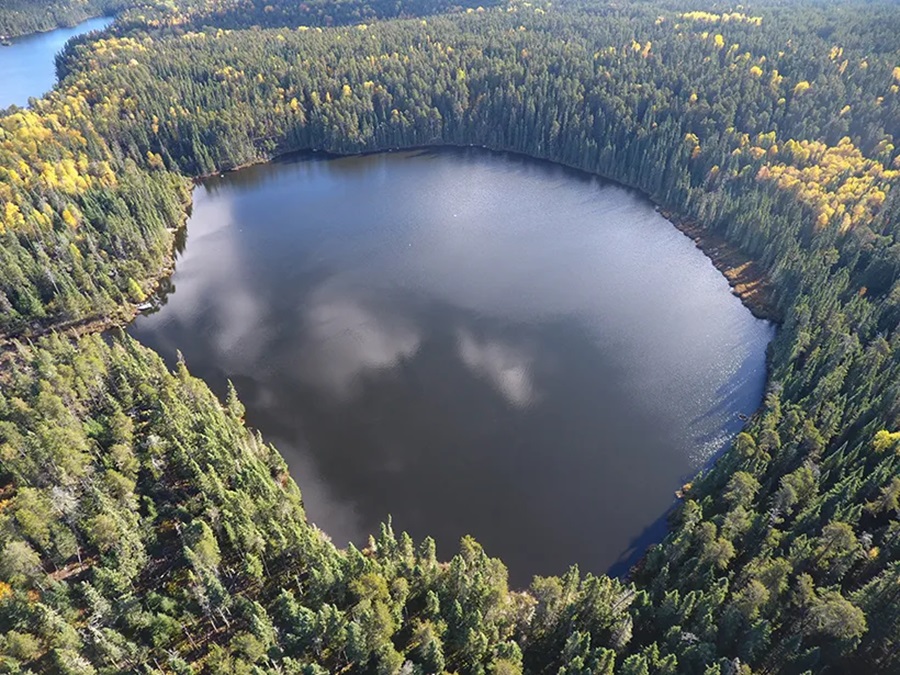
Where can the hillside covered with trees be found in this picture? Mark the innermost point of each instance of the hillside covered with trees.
(21, 17)
(142, 526)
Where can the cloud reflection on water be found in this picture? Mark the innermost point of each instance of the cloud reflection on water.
(346, 338)
(470, 343)
(506, 367)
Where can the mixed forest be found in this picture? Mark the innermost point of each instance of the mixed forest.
(21, 17)
(145, 528)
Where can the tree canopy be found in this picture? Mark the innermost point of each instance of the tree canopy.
(142, 525)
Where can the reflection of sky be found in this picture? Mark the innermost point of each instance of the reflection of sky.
(345, 339)
(654, 311)
(506, 367)
(211, 285)
(376, 283)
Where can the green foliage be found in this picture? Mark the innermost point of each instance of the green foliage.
(142, 523)
(159, 562)
(20, 17)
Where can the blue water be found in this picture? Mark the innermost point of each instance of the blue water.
(28, 68)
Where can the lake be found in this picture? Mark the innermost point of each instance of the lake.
(475, 343)
(28, 64)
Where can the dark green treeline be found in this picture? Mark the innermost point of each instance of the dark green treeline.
(21, 17)
(771, 125)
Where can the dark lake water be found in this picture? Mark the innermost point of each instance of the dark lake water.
(471, 342)
(27, 66)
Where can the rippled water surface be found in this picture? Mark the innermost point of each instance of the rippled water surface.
(28, 67)
(471, 342)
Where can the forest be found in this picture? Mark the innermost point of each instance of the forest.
(145, 528)
(21, 17)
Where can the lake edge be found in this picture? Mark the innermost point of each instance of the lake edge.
(657, 531)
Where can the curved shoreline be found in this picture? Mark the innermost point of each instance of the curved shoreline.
(59, 26)
(745, 277)
(748, 280)
(300, 166)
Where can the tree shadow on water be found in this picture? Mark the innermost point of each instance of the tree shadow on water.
(638, 547)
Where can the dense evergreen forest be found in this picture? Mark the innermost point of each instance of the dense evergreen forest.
(144, 528)
(20, 17)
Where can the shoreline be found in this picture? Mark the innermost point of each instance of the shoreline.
(746, 277)
(748, 281)
(120, 317)
(18, 36)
